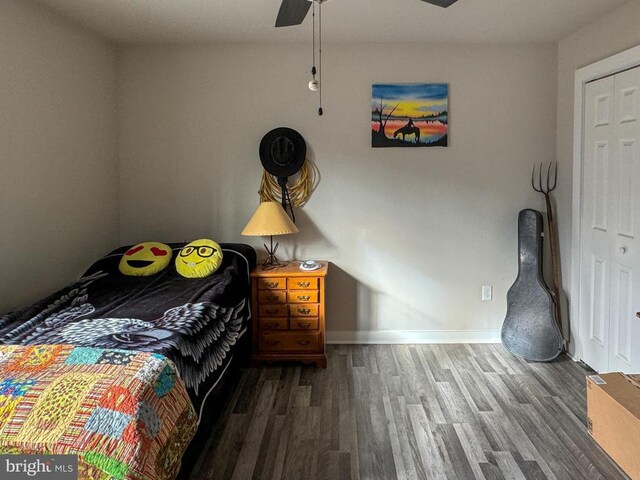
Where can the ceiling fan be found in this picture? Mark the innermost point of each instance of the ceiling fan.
(293, 12)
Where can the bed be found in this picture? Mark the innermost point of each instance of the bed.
(140, 361)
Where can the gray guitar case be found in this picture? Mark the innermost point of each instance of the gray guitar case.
(530, 329)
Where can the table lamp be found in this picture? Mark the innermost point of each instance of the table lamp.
(268, 220)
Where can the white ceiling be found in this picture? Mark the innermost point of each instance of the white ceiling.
(467, 21)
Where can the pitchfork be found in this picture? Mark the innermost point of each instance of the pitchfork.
(546, 187)
(550, 186)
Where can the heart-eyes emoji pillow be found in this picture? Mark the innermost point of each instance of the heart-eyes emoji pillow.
(144, 259)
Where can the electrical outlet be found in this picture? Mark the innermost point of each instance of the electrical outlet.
(487, 293)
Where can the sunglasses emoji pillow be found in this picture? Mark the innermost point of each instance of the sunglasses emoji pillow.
(199, 258)
(145, 259)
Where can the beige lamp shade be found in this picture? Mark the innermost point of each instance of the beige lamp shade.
(269, 219)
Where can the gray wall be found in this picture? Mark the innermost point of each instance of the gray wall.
(607, 36)
(58, 139)
(414, 232)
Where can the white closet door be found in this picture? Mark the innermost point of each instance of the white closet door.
(596, 223)
(624, 338)
(610, 294)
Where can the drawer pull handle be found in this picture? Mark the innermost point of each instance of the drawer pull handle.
(272, 298)
(304, 284)
(303, 342)
(304, 298)
(272, 284)
(304, 311)
(272, 325)
(273, 342)
(271, 311)
(304, 325)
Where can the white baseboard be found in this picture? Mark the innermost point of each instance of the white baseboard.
(413, 336)
(572, 356)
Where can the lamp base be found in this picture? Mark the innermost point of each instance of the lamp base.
(272, 261)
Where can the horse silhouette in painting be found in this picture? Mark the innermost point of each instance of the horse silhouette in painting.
(408, 129)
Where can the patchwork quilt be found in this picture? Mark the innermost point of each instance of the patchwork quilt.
(125, 413)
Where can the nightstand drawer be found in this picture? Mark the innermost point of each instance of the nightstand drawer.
(309, 310)
(289, 342)
(274, 283)
(272, 296)
(274, 323)
(304, 324)
(272, 310)
(302, 296)
(297, 283)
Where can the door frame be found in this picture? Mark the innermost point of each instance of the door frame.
(617, 63)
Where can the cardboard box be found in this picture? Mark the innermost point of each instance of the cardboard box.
(613, 418)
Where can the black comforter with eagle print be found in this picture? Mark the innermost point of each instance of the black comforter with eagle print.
(195, 322)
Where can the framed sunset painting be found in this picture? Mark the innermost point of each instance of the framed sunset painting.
(410, 115)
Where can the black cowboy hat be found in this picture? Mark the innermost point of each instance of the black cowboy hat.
(282, 152)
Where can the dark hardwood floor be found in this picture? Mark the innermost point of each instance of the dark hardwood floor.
(382, 412)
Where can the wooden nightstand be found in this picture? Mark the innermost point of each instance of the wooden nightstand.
(288, 314)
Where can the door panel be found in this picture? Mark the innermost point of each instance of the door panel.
(601, 186)
(598, 320)
(621, 307)
(628, 100)
(625, 294)
(610, 289)
(626, 193)
(596, 238)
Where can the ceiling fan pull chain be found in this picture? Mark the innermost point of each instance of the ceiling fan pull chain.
(313, 14)
(320, 112)
(313, 83)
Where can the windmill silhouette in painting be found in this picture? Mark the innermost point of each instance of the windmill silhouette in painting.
(409, 115)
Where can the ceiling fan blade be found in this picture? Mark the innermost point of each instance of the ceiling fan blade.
(292, 12)
(441, 3)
